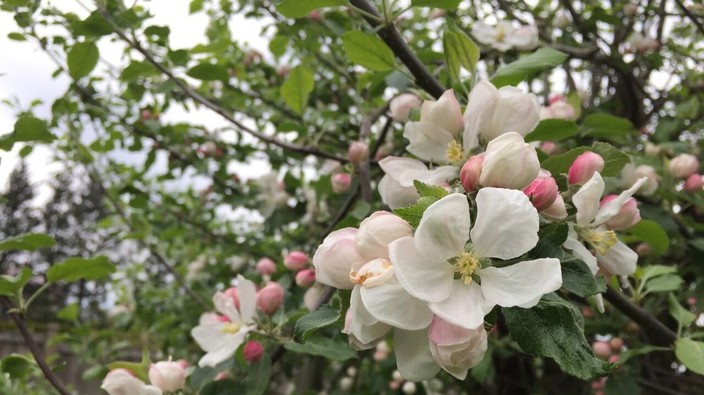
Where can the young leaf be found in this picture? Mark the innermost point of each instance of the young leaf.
(429, 194)
(337, 350)
(444, 4)
(670, 282)
(552, 130)
(578, 279)
(301, 8)
(555, 329)
(460, 50)
(73, 269)
(607, 126)
(691, 354)
(209, 72)
(28, 242)
(652, 233)
(139, 369)
(297, 87)
(10, 285)
(311, 322)
(368, 51)
(27, 129)
(259, 376)
(683, 316)
(82, 58)
(17, 366)
(527, 66)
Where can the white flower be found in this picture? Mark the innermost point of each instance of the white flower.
(631, 174)
(271, 194)
(220, 337)
(506, 227)
(613, 255)
(492, 112)
(396, 187)
(122, 382)
(505, 36)
(509, 162)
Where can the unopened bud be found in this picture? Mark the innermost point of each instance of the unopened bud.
(409, 388)
(616, 344)
(601, 349)
(509, 162)
(266, 266)
(542, 192)
(270, 298)
(548, 147)
(561, 21)
(683, 165)
(626, 217)
(305, 278)
(694, 183)
(644, 249)
(401, 106)
(470, 172)
(341, 182)
(167, 375)
(253, 351)
(296, 260)
(357, 151)
(584, 167)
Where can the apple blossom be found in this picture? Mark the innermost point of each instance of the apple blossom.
(427, 263)
(123, 382)
(253, 351)
(509, 162)
(334, 259)
(561, 20)
(266, 266)
(305, 278)
(221, 337)
(504, 36)
(492, 112)
(584, 167)
(168, 375)
(631, 174)
(296, 260)
(434, 137)
(542, 191)
(694, 183)
(358, 151)
(396, 187)
(557, 210)
(470, 172)
(270, 298)
(341, 182)
(400, 106)
(683, 165)
(456, 349)
(626, 217)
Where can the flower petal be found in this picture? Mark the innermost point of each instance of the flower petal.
(413, 357)
(227, 350)
(334, 259)
(247, 293)
(579, 250)
(614, 206)
(586, 200)
(507, 224)
(394, 195)
(522, 284)
(620, 260)
(363, 325)
(225, 305)
(395, 167)
(427, 141)
(422, 277)
(465, 307)
(479, 113)
(444, 229)
(391, 304)
(445, 113)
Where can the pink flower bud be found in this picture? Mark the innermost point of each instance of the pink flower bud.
(183, 363)
(470, 172)
(584, 167)
(357, 152)
(305, 278)
(221, 376)
(601, 349)
(616, 344)
(694, 183)
(266, 266)
(296, 260)
(456, 349)
(691, 300)
(548, 147)
(509, 163)
(401, 106)
(542, 192)
(270, 298)
(683, 165)
(253, 351)
(167, 375)
(341, 182)
(232, 293)
(626, 217)
(123, 381)
(644, 249)
(614, 358)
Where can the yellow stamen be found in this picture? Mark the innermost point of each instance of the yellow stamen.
(454, 152)
(600, 240)
(466, 265)
(375, 268)
(230, 328)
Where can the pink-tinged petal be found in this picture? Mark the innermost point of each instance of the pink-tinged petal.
(248, 299)
(465, 307)
(507, 224)
(610, 209)
(226, 306)
(391, 304)
(620, 259)
(521, 284)
(413, 358)
(334, 259)
(586, 200)
(363, 325)
(579, 250)
(444, 229)
(456, 349)
(516, 111)
(427, 141)
(444, 113)
(426, 279)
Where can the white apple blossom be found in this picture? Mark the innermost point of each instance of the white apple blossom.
(509, 162)
(504, 36)
(396, 187)
(590, 227)
(123, 382)
(221, 336)
(443, 248)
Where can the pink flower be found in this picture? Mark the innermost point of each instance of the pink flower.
(266, 266)
(305, 278)
(456, 349)
(401, 106)
(253, 351)
(341, 182)
(542, 192)
(357, 151)
(694, 183)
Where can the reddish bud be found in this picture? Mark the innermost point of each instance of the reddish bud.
(616, 344)
(296, 260)
(341, 182)
(270, 298)
(305, 278)
(548, 147)
(470, 172)
(253, 351)
(614, 358)
(601, 349)
(694, 183)
(584, 167)
(357, 152)
(542, 192)
(266, 267)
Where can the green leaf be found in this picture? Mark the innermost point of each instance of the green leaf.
(555, 329)
(460, 50)
(73, 269)
(652, 271)
(27, 129)
(259, 375)
(368, 51)
(209, 72)
(691, 354)
(140, 369)
(578, 279)
(552, 130)
(11, 285)
(444, 4)
(429, 194)
(607, 126)
(17, 366)
(527, 66)
(311, 322)
(221, 387)
(68, 313)
(614, 159)
(297, 87)
(278, 45)
(551, 239)
(28, 242)
(652, 233)
(635, 352)
(683, 316)
(203, 375)
(670, 282)
(427, 190)
(337, 350)
(16, 36)
(301, 8)
(82, 58)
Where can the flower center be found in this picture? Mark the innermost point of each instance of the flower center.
(230, 328)
(500, 33)
(466, 265)
(454, 152)
(600, 240)
(374, 272)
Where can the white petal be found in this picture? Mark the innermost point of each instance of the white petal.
(484, 33)
(507, 224)
(225, 305)
(364, 326)
(525, 38)
(437, 176)
(516, 111)
(579, 250)
(613, 207)
(465, 307)
(391, 304)
(210, 336)
(223, 353)
(586, 200)
(427, 141)
(620, 260)
(422, 277)
(444, 229)
(334, 259)
(479, 114)
(247, 294)
(522, 284)
(394, 195)
(413, 358)
(394, 167)
(445, 113)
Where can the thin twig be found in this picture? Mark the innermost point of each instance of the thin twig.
(365, 182)
(691, 16)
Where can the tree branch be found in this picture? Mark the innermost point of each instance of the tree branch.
(661, 334)
(34, 348)
(691, 16)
